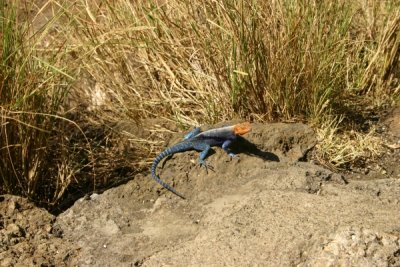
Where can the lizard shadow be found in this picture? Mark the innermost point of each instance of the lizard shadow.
(244, 146)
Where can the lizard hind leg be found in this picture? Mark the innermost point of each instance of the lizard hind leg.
(192, 133)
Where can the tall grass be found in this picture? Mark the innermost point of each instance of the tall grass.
(187, 62)
(32, 90)
(211, 61)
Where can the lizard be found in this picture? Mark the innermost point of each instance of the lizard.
(201, 141)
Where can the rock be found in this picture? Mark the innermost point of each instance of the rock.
(356, 246)
(289, 141)
(266, 207)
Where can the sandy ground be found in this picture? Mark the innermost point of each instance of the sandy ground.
(268, 207)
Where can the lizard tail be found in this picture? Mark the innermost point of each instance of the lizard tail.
(165, 153)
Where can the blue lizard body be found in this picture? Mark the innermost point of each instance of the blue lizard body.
(201, 141)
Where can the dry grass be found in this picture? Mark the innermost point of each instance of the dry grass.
(338, 150)
(213, 61)
(32, 90)
(207, 62)
(186, 62)
(381, 77)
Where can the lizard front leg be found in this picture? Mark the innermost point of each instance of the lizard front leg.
(225, 147)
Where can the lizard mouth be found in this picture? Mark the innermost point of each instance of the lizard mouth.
(242, 128)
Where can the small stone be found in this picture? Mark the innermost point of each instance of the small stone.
(14, 230)
(15, 240)
(94, 196)
(48, 228)
(12, 206)
(6, 262)
(57, 231)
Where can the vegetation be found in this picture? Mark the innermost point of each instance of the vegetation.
(32, 91)
(67, 80)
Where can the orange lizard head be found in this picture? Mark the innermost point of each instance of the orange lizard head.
(242, 128)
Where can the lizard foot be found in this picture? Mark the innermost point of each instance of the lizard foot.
(204, 164)
(233, 156)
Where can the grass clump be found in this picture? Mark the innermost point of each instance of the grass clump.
(32, 90)
(339, 150)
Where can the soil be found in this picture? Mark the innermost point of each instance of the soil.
(267, 207)
(28, 236)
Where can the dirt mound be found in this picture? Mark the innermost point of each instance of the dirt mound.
(266, 207)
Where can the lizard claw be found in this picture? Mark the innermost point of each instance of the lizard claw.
(204, 164)
(232, 155)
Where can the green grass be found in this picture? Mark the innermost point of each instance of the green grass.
(191, 63)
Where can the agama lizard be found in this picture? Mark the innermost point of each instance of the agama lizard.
(201, 141)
